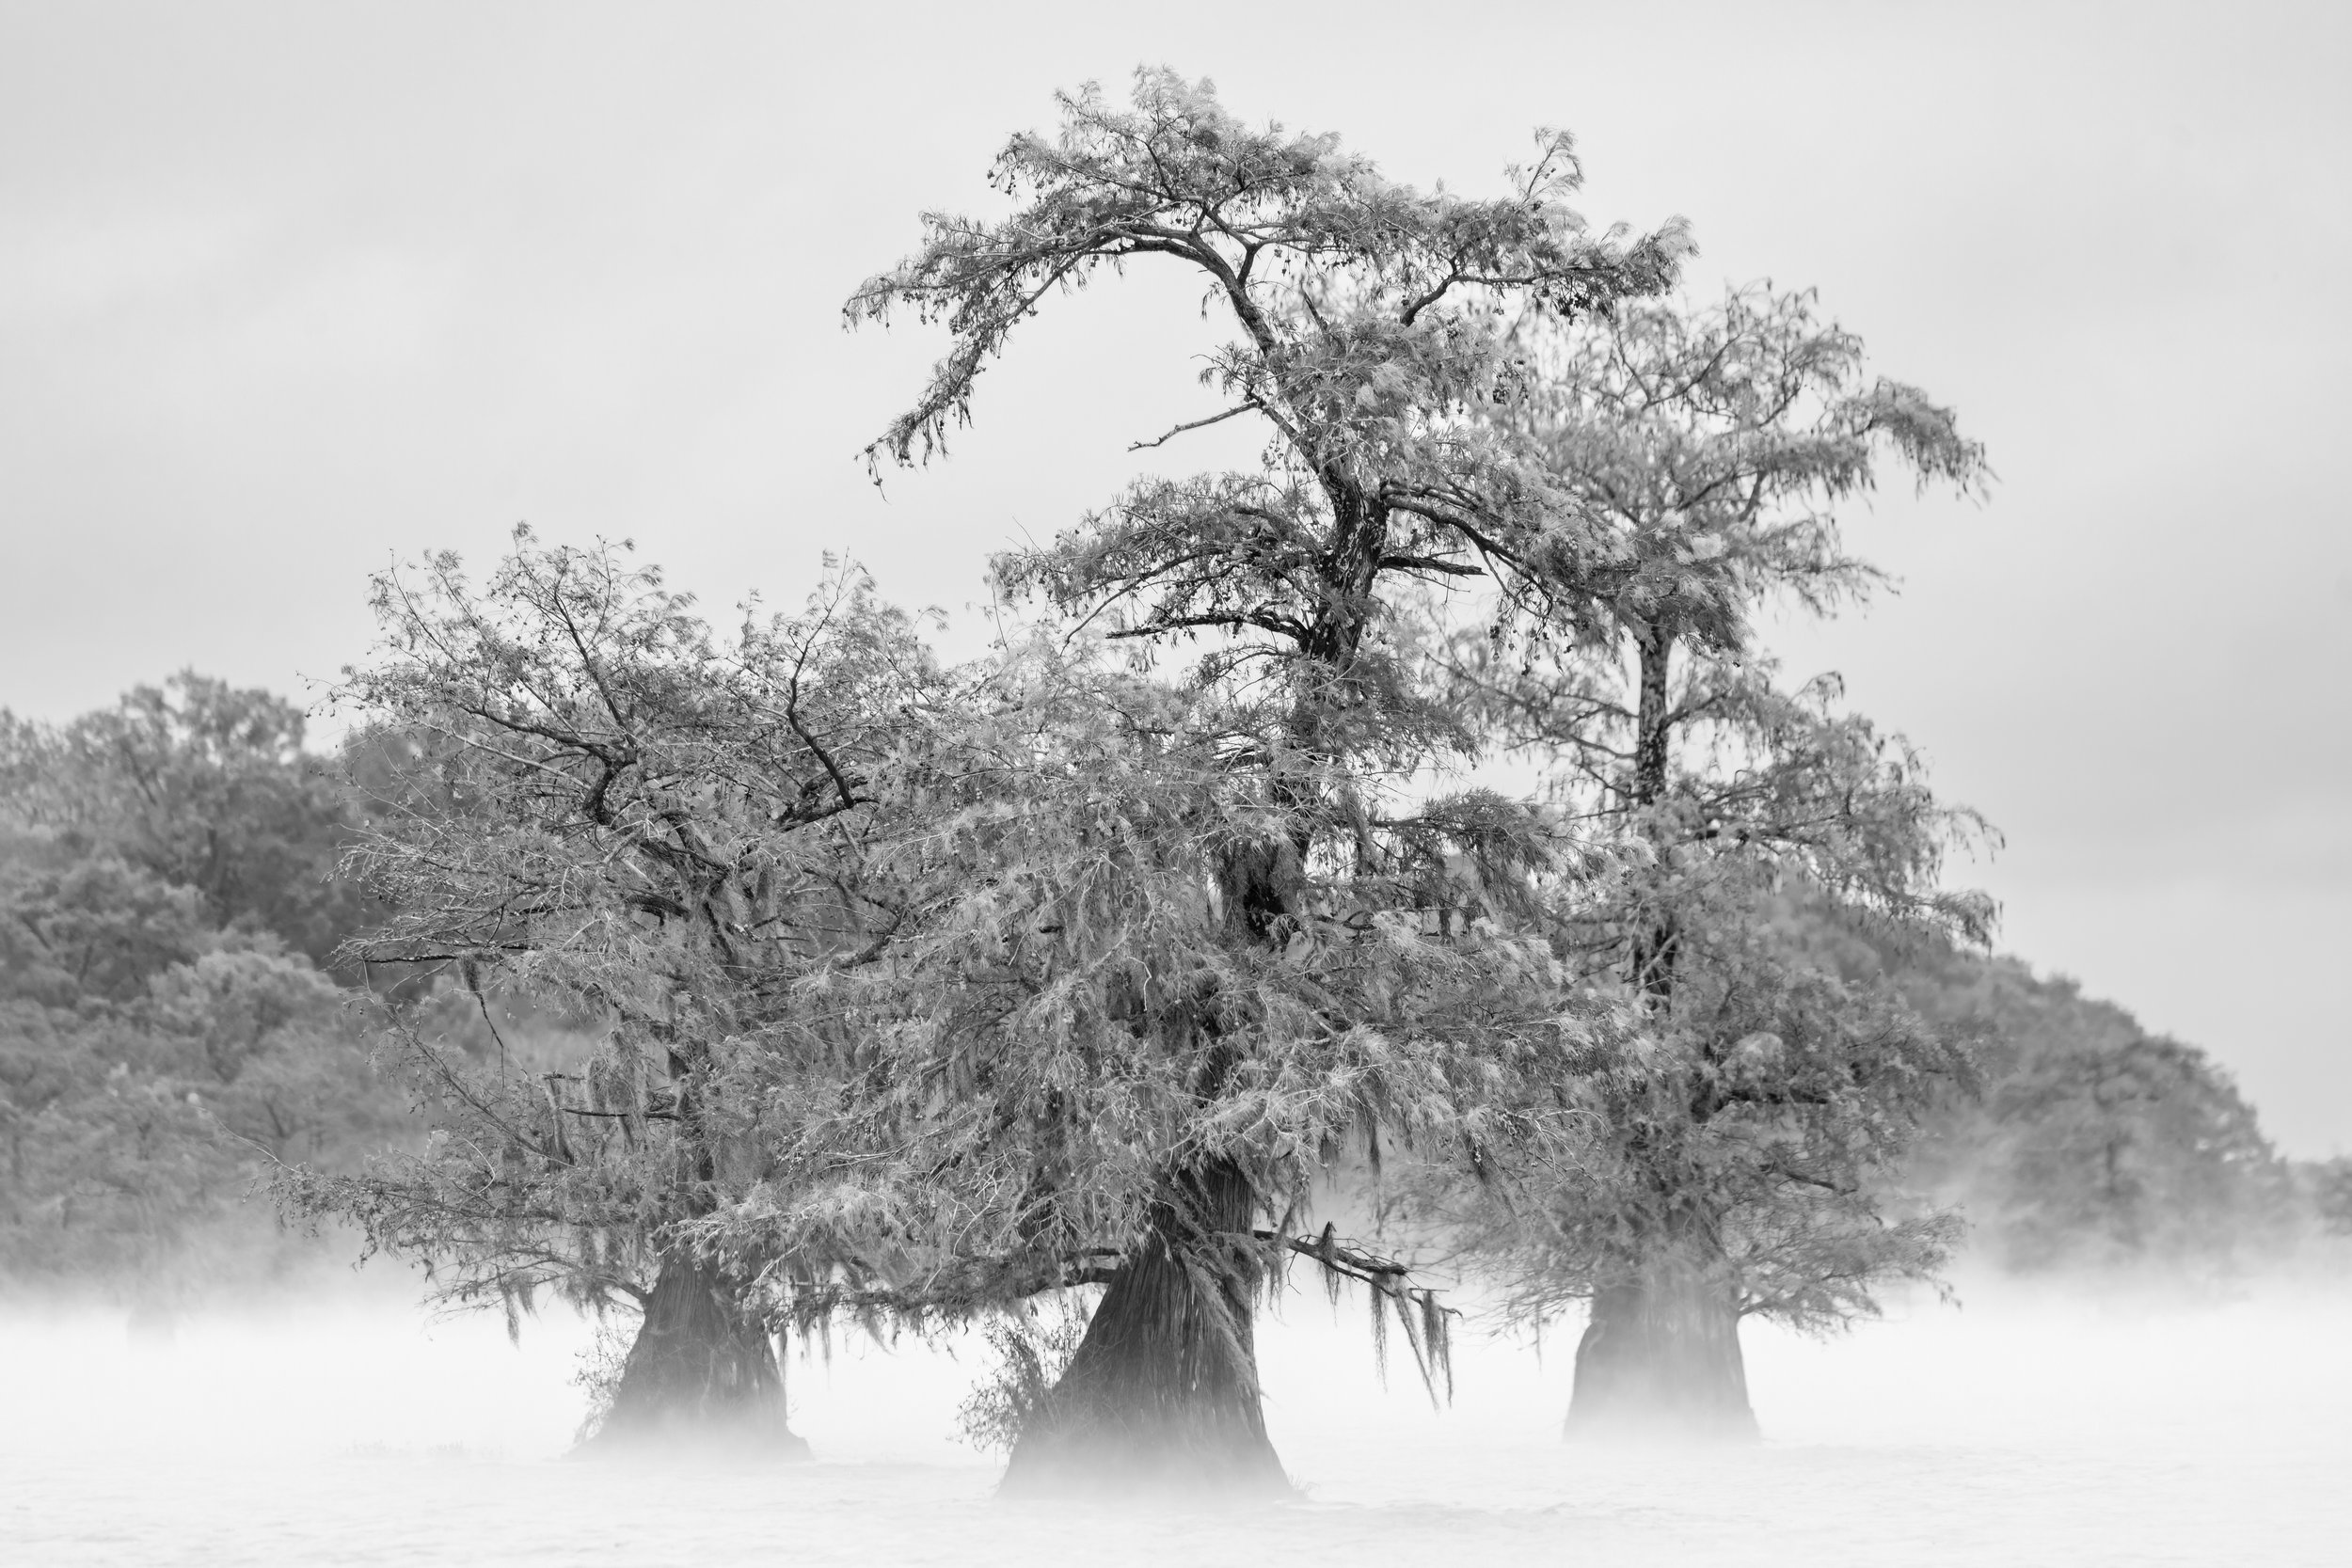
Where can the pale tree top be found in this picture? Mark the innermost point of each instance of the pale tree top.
(1373, 337)
(1719, 445)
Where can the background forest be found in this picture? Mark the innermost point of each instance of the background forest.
(172, 1015)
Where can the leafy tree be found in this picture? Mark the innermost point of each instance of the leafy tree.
(819, 903)
(2096, 1145)
(2330, 1182)
(590, 800)
(2144, 1148)
(1739, 1155)
(206, 786)
(1085, 1063)
(145, 1058)
(1372, 340)
(89, 929)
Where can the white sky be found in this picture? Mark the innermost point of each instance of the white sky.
(288, 291)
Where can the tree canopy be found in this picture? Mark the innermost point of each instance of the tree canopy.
(1371, 337)
(207, 787)
(589, 799)
(1740, 1154)
(164, 1035)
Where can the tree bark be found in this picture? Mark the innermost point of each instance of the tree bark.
(1661, 1357)
(1657, 943)
(701, 1371)
(1163, 1392)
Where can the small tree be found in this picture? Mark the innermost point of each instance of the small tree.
(1738, 1158)
(653, 832)
(1371, 342)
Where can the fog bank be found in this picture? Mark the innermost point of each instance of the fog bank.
(2022, 1427)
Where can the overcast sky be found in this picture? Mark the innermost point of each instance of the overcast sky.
(287, 292)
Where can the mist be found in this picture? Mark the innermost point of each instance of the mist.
(2052, 1423)
(1097, 1018)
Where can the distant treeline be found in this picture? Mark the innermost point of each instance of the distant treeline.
(173, 1016)
(169, 1015)
(2091, 1143)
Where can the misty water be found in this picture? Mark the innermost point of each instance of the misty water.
(2026, 1427)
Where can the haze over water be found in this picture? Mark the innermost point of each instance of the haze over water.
(288, 292)
(2023, 1428)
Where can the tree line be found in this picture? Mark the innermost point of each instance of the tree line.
(167, 903)
(747, 978)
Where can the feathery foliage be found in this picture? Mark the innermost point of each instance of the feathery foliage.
(589, 801)
(1745, 1150)
(1315, 955)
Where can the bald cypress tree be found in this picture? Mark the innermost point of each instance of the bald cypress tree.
(1369, 343)
(588, 802)
(1743, 1158)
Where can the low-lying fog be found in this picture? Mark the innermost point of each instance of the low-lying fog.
(2024, 1428)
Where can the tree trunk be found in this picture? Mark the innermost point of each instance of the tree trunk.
(1163, 1392)
(1660, 1357)
(1660, 1354)
(1657, 942)
(701, 1371)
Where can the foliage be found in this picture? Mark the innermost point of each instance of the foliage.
(2330, 1185)
(832, 922)
(89, 927)
(2096, 1145)
(1720, 444)
(207, 787)
(598, 1376)
(158, 1040)
(897, 986)
(1370, 340)
(1242, 932)
(1757, 1138)
(1100, 1001)
(586, 798)
(1031, 1353)
(1749, 1138)
(149, 1064)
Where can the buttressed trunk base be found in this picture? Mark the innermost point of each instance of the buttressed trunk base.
(1661, 1358)
(701, 1374)
(1162, 1395)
